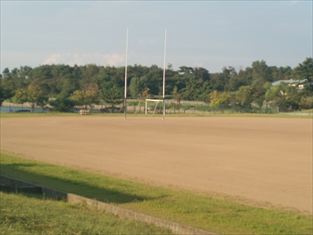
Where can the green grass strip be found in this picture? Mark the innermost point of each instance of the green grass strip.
(212, 213)
(24, 214)
(48, 114)
(298, 114)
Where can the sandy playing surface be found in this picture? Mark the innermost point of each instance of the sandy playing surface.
(262, 159)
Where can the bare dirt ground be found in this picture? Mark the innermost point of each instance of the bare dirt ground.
(261, 159)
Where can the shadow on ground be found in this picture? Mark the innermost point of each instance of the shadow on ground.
(106, 194)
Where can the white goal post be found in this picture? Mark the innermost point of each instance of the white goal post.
(156, 101)
(163, 80)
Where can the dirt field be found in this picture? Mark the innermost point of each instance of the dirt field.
(262, 159)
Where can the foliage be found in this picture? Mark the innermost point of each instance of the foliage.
(20, 96)
(306, 102)
(136, 87)
(112, 95)
(219, 99)
(33, 93)
(62, 104)
(4, 93)
(244, 96)
(248, 89)
(88, 95)
(177, 96)
(305, 70)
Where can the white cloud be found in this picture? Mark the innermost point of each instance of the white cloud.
(113, 59)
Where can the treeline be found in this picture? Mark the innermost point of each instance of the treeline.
(252, 89)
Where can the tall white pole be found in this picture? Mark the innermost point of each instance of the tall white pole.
(164, 65)
(125, 85)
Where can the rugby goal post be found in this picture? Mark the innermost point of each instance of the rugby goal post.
(163, 78)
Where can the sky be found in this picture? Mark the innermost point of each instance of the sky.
(207, 34)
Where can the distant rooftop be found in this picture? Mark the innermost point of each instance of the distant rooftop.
(289, 81)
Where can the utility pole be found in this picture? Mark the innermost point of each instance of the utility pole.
(125, 84)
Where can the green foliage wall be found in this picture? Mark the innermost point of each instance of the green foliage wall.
(248, 89)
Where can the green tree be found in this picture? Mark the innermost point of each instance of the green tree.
(285, 97)
(5, 93)
(35, 95)
(244, 97)
(306, 102)
(32, 94)
(136, 87)
(177, 95)
(87, 96)
(20, 96)
(62, 104)
(112, 94)
(219, 100)
(61, 83)
(260, 71)
(6, 73)
(305, 70)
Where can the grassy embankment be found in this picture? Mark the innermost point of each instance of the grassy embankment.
(27, 214)
(213, 213)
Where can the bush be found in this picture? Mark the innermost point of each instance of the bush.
(306, 102)
(62, 105)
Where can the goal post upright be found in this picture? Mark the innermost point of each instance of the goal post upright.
(125, 82)
(164, 65)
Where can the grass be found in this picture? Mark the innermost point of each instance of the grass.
(298, 114)
(24, 214)
(213, 213)
(48, 114)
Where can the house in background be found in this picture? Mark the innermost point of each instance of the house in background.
(292, 82)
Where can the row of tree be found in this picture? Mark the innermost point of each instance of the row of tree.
(249, 89)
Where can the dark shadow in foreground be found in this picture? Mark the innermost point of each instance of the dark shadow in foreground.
(52, 186)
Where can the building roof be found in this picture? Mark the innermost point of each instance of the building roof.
(289, 81)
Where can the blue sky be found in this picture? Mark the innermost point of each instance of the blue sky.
(207, 34)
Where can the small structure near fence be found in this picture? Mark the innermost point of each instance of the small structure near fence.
(84, 112)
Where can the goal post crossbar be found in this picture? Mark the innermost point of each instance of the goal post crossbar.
(154, 100)
(157, 101)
